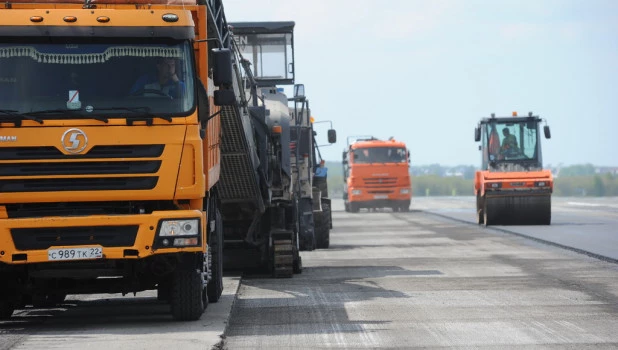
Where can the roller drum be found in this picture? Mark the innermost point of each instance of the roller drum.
(517, 210)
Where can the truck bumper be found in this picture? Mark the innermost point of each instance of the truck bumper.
(29, 240)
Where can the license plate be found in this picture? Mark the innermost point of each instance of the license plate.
(380, 196)
(75, 253)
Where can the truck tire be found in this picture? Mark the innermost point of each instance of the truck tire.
(188, 298)
(322, 236)
(354, 208)
(6, 309)
(215, 243)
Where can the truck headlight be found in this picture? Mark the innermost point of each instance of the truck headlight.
(356, 192)
(404, 191)
(179, 228)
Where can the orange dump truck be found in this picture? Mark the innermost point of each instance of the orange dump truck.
(109, 150)
(512, 187)
(376, 175)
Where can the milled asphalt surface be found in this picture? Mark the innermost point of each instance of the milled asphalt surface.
(425, 279)
(414, 280)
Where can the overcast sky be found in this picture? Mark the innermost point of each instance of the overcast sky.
(426, 71)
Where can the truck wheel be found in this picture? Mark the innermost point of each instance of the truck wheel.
(189, 298)
(354, 208)
(6, 309)
(215, 285)
(323, 236)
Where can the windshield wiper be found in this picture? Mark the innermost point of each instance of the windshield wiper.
(141, 114)
(67, 111)
(13, 113)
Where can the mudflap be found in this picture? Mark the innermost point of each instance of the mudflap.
(517, 210)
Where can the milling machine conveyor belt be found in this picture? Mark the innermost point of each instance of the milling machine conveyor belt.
(239, 161)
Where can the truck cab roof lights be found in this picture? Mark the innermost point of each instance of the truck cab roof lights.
(70, 19)
(170, 17)
(36, 19)
(103, 19)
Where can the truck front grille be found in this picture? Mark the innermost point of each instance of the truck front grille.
(79, 168)
(36, 168)
(49, 152)
(46, 237)
(79, 184)
(379, 181)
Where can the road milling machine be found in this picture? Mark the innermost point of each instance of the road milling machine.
(109, 161)
(258, 206)
(512, 188)
(314, 227)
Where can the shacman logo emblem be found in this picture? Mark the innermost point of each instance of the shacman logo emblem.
(74, 141)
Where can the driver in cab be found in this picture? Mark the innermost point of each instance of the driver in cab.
(509, 143)
(164, 82)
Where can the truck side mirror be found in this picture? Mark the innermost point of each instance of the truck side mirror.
(222, 62)
(477, 134)
(224, 98)
(332, 136)
(547, 132)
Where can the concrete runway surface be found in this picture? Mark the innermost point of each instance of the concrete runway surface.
(430, 278)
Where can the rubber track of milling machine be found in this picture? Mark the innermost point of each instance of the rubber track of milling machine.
(283, 254)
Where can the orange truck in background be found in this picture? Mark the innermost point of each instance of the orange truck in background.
(512, 188)
(108, 185)
(376, 174)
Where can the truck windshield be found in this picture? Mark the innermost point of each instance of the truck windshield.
(94, 79)
(512, 141)
(380, 155)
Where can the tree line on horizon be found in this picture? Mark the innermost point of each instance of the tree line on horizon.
(578, 180)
